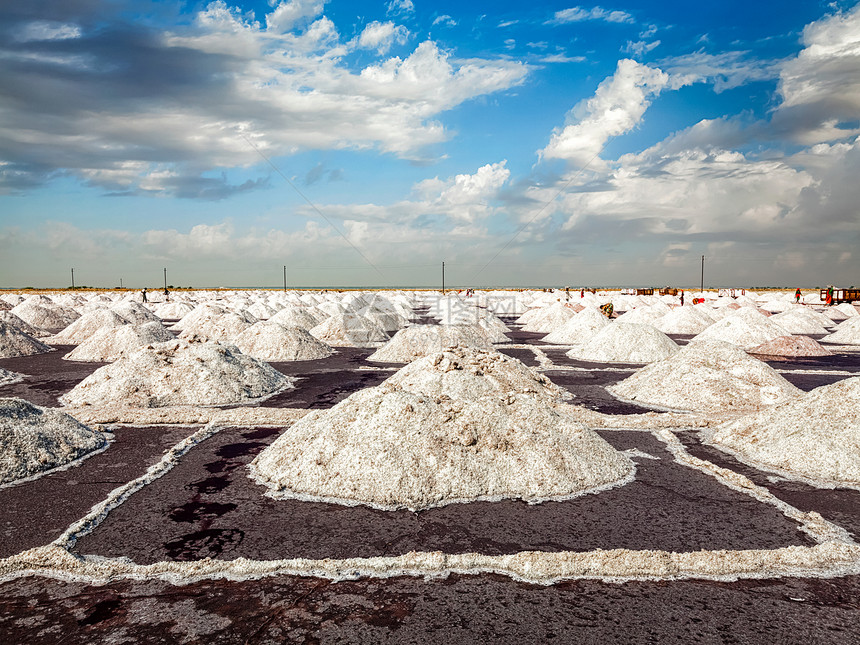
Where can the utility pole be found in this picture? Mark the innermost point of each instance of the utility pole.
(73, 278)
(120, 283)
(702, 286)
(443, 278)
(285, 277)
(165, 278)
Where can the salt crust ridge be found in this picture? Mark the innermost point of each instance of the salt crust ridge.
(625, 343)
(815, 437)
(460, 425)
(709, 376)
(272, 341)
(109, 344)
(36, 439)
(179, 373)
(418, 341)
(14, 343)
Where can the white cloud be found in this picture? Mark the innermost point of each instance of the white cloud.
(444, 20)
(616, 107)
(399, 7)
(41, 30)
(578, 14)
(725, 70)
(382, 35)
(287, 15)
(640, 47)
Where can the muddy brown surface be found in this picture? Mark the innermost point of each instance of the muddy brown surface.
(208, 507)
(456, 609)
(37, 512)
(840, 506)
(47, 376)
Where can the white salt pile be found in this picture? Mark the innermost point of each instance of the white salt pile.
(172, 310)
(7, 377)
(550, 318)
(271, 341)
(745, 328)
(109, 344)
(197, 315)
(418, 341)
(791, 346)
(684, 320)
(400, 446)
(646, 315)
(625, 343)
(225, 327)
(349, 330)
(711, 376)
(297, 317)
(11, 319)
(37, 439)
(847, 333)
(816, 436)
(179, 373)
(579, 329)
(86, 326)
(45, 316)
(135, 312)
(14, 342)
(802, 321)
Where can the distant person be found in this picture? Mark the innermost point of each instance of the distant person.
(567, 293)
(682, 297)
(144, 294)
(166, 295)
(797, 296)
(582, 293)
(829, 299)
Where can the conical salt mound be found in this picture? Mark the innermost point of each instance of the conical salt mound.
(710, 376)
(418, 341)
(847, 333)
(802, 321)
(746, 330)
(579, 329)
(37, 439)
(14, 342)
(197, 315)
(46, 315)
(7, 377)
(271, 341)
(109, 344)
(816, 436)
(390, 447)
(11, 319)
(645, 315)
(468, 373)
(172, 310)
(179, 373)
(86, 326)
(684, 320)
(135, 312)
(549, 318)
(297, 317)
(791, 346)
(225, 327)
(625, 343)
(349, 330)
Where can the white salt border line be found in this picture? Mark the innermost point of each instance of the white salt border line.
(837, 556)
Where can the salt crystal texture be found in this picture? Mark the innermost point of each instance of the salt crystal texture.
(86, 326)
(418, 341)
(802, 322)
(710, 376)
(297, 317)
(14, 342)
(684, 320)
(392, 447)
(747, 330)
(11, 319)
(847, 333)
(816, 436)
(108, 344)
(625, 343)
(349, 330)
(549, 318)
(179, 373)
(36, 439)
(271, 341)
(791, 346)
(45, 316)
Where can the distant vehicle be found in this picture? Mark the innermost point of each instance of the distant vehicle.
(731, 293)
(669, 291)
(842, 295)
(637, 292)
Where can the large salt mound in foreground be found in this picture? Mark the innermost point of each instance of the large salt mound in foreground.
(14, 342)
(107, 345)
(710, 376)
(400, 446)
(418, 341)
(791, 346)
(271, 341)
(178, 373)
(816, 436)
(36, 439)
(625, 343)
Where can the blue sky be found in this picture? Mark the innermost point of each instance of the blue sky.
(363, 143)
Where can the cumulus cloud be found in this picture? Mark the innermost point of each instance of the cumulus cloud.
(444, 20)
(218, 93)
(616, 107)
(382, 35)
(399, 7)
(579, 14)
(725, 70)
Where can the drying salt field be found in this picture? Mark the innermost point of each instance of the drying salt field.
(412, 466)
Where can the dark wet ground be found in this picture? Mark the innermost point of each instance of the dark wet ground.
(456, 609)
(47, 376)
